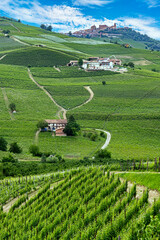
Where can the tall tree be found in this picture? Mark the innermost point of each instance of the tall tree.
(72, 127)
(43, 26)
(49, 28)
(80, 62)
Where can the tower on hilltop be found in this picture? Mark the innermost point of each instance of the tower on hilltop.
(115, 25)
(93, 27)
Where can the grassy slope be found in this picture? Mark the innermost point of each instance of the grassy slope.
(150, 180)
(32, 105)
(131, 100)
(8, 43)
(37, 57)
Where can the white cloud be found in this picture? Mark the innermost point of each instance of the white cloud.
(91, 2)
(144, 26)
(65, 18)
(152, 3)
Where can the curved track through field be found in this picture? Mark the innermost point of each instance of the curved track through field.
(63, 111)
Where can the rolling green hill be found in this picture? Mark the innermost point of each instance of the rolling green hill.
(127, 105)
(64, 189)
(132, 37)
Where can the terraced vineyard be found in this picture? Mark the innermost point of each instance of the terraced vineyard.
(8, 43)
(11, 188)
(85, 205)
(37, 57)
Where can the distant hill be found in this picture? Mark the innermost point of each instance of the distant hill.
(119, 36)
(130, 34)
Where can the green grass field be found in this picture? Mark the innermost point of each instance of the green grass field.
(150, 180)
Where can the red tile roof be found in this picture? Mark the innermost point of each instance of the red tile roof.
(57, 121)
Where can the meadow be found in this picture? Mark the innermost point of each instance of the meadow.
(150, 180)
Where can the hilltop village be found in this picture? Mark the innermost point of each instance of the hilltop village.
(101, 31)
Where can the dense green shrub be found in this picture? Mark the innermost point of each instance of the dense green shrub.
(94, 137)
(15, 148)
(3, 144)
(42, 124)
(9, 159)
(72, 128)
(34, 149)
(12, 106)
(103, 154)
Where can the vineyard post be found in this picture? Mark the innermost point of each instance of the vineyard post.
(142, 165)
(134, 165)
(155, 163)
(119, 238)
(139, 164)
(125, 212)
(159, 165)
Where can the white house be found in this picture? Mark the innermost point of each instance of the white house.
(96, 63)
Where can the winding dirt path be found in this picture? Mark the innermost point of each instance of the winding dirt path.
(15, 27)
(3, 57)
(7, 103)
(36, 136)
(63, 111)
(88, 88)
(57, 69)
(17, 40)
(108, 139)
(49, 95)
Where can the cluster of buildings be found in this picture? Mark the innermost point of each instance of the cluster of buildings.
(97, 31)
(96, 63)
(56, 126)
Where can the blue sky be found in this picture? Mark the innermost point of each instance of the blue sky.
(66, 15)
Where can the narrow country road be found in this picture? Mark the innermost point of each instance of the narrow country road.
(17, 40)
(3, 57)
(107, 140)
(57, 69)
(90, 98)
(49, 95)
(36, 136)
(15, 27)
(7, 103)
(62, 111)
